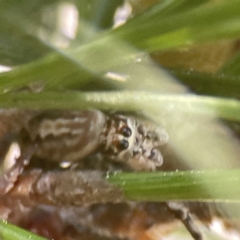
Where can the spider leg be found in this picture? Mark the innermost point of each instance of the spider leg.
(182, 212)
(8, 179)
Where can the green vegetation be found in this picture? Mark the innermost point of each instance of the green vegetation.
(194, 121)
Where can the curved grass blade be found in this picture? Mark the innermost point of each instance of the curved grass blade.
(164, 8)
(205, 23)
(216, 185)
(74, 70)
(54, 72)
(11, 232)
(88, 64)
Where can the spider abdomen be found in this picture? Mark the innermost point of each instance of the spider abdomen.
(66, 136)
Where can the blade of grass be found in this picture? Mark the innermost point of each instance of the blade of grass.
(54, 71)
(219, 84)
(205, 23)
(72, 69)
(126, 101)
(11, 232)
(216, 185)
(190, 120)
(164, 8)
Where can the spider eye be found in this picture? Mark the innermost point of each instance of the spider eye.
(123, 145)
(126, 131)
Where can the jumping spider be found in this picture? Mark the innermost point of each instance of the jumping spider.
(64, 136)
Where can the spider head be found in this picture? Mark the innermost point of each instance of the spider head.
(134, 143)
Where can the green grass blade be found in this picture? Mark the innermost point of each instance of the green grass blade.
(216, 185)
(54, 71)
(164, 8)
(11, 232)
(191, 121)
(205, 23)
(76, 67)
(218, 84)
(128, 101)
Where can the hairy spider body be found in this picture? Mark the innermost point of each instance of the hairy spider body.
(64, 136)
(71, 136)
